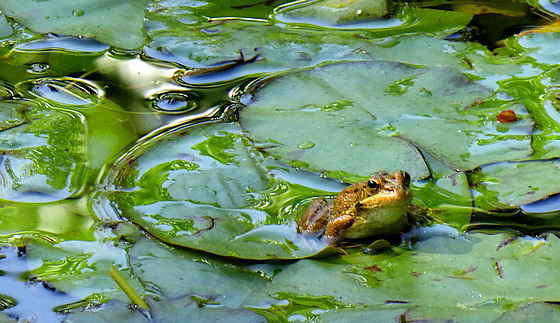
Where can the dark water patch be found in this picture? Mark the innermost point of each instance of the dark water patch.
(518, 222)
(495, 21)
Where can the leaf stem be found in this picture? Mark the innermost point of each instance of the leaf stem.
(125, 286)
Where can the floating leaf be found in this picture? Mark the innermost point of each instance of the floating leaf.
(112, 311)
(202, 189)
(117, 24)
(176, 273)
(337, 12)
(175, 28)
(5, 28)
(168, 310)
(4, 318)
(81, 268)
(538, 311)
(541, 47)
(475, 272)
(353, 113)
(515, 183)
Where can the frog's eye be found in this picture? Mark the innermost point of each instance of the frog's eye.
(373, 183)
(406, 177)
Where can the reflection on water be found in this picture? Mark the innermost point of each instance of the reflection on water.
(64, 91)
(546, 205)
(34, 300)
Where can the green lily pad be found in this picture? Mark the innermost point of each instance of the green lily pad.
(477, 273)
(200, 309)
(515, 183)
(112, 311)
(176, 28)
(336, 12)
(203, 188)
(176, 273)
(6, 319)
(81, 268)
(368, 116)
(537, 312)
(541, 46)
(5, 28)
(117, 24)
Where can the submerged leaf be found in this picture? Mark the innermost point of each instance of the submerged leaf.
(204, 189)
(42, 149)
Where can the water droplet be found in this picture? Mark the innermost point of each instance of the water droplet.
(38, 68)
(77, 12)
(306, 145)
(175, 102)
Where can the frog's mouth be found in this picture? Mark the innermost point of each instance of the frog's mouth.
(388, 197)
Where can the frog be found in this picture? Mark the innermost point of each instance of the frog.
(377, 206)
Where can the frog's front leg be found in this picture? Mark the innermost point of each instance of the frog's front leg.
(336, 226)
(316, 217)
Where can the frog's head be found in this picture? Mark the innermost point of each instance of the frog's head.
(384, 190)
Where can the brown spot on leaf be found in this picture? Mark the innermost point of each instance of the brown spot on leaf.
(373, 268)
(499, 269)
(392, 301)
(505, 243)
(415, 274)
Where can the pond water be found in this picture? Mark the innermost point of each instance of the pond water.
(178, 143)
